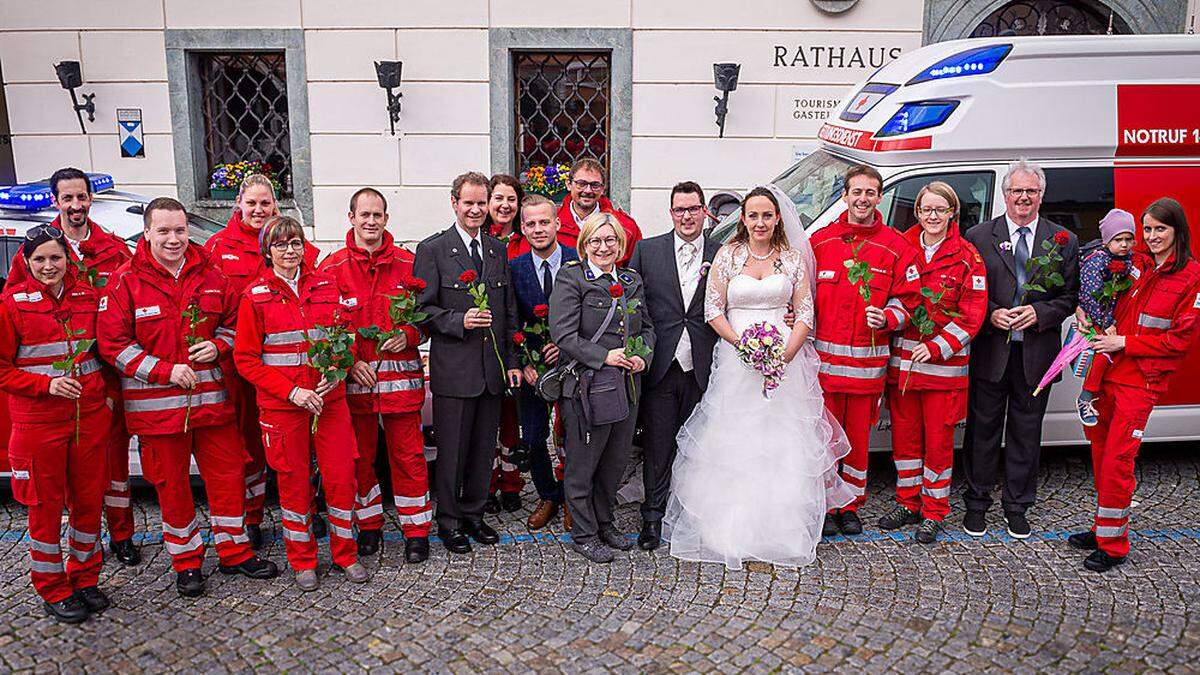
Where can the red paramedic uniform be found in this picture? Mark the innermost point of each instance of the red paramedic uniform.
(853, 369)
(399, 393)
(271, 353)
(235, 251)
(1159, 317)
(934, 397)
(143, 331)
(568, 228)
(50, 468)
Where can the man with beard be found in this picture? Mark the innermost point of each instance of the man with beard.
(586, 186)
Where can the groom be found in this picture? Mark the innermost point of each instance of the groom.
(674, 269)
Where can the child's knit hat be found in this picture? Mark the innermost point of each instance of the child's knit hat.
(1116, 222)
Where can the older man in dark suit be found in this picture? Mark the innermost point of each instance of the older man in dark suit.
(1015, 348)
(467, 371)
(673, 268)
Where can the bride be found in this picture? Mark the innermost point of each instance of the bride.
(754, 476)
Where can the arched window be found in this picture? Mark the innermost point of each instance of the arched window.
(1052, 17)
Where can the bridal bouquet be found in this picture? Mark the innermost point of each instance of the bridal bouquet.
(761, 348)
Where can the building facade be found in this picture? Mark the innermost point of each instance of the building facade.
(489, 85)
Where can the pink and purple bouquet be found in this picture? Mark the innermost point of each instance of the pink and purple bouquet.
(761, 348)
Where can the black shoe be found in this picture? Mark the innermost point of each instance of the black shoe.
(492, 505)
(510, 501)
(1018, 525)
(68, 610)
(190, 583)
(594, 551)
(125, 552)
(1085, 541)
(927, 531)
(898, 518)
(416, 549)
(319, 528)
(480, 532)
(254, 533)
(975, 523)
(369, 542)
(850, 523)
(255, 568)
(613, 538)
(650, 537)
(520, 457)
(1099, 561)
(93, 598)
(455, 541)
(832, 526)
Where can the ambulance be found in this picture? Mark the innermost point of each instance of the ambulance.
(1114, 121)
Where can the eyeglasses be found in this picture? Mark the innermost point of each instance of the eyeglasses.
(595, 242)
(595, 186)
(681, 211)
(930, 210)
(43, 231)
(294, 244)
(1024, 192)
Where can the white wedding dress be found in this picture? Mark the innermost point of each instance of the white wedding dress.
(754, 476)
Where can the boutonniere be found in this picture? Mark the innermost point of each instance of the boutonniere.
(704, 269)
(1006, 246)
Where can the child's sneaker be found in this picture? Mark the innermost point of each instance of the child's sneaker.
(1087, 412)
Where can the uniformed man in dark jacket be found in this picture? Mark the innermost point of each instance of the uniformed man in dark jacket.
(587, 293)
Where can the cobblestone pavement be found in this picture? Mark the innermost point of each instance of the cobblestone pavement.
(873, 603)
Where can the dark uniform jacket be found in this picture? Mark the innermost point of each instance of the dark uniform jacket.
(580, 302)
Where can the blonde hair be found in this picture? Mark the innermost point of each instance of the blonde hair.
(595, 222)
(257, 179)
(537, 200)
(942, 190)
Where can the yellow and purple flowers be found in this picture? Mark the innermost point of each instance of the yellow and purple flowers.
(229, 176)
(761, 348)
(549, 181)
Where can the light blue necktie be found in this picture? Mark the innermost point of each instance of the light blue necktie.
(1022, 256)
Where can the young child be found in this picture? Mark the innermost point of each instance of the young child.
(1113, 260)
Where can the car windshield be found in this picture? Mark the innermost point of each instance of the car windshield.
(814, 184)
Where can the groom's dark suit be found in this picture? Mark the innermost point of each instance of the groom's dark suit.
(670, 393)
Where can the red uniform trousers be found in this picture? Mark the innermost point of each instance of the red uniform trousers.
(51, 471)
(290, 447)
(923, 447)
(246, 409)
(220, 456)
(118, 512)
(857, 413)
(410, 474)
(1124, 411)
(506, 477)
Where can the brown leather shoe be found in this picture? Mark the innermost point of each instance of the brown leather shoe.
(541, 515)
(567, 522)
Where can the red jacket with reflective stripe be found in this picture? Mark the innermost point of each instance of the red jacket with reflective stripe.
(236, 253)
(102, 251)
(368, 279)
(957, 271)
(271, 350)
(32, 339)
(144, 333)
(1160, 318)
(850, 362)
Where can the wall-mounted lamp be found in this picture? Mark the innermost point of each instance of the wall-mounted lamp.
(388, 73)
(725, 76)
(71, 77)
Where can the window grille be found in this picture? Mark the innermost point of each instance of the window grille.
(562, 101)
(1047, 17)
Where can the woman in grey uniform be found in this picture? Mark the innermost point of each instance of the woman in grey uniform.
(586, 293)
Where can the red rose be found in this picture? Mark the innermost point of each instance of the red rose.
(62, 315)
(1116, 267)
(616, 290)
(541, 311)
(514, 237)
(848, 238)
(415, 284)
(86, 248)
(1061, 238)
(518, 338)
(468, 277)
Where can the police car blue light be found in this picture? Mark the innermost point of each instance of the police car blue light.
(977, 61)
(37, 196)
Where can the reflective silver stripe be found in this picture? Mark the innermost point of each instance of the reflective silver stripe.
(86, 367)
(81, 537)
(84, 555)
(226, 339)
(226, 332)
(369, 512)
(506, 466)
(897, 309)
(291, 337)
(343, 532)
(958, 333)
(847, 350)
(853, 472)
(912, 344)
(1109, 531)
(128, 354)
(895, 303)
(1151, 321)
(175, 402)
(256, 491)
(144, 368)
(417, 519)
(116, 502)
(910, 481)
(928, 368)
(394, 366)
(411, 501)
(252, 478)
(46, 567)
(296, 536)
(1105, 512)
(42, 351)
(936, 493)
(387, 386)
(210, 375)
(858, 490)
(853, 371)
(934, 477)
(298, 518)
(340, 513)
(943, 346)
(181, 533)
(44, 547)
(284, 359)
(192, 544)
(226, 521)
(118, 486)
(371, 496)
(226, 538)
(908, 464)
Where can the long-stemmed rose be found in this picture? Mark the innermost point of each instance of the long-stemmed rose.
(195, 319)
(1044, 270)
(1117, 283)
(331, 356)
(859, 274)
(924, 323)
(402, 310)
(478, 292)
(634, 345)
(70, 364)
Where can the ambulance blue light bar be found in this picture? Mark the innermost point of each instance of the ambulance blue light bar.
(36, 196)
(917, 116)
(977, 61)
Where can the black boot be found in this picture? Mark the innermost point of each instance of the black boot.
(416, 549)
(369, 541)
(850, 523)
(190, 583)
(254, 533)
(898, 518)
(832, 526)
(255, 568)
(124, 551)
(93, 598)
(319, 528)
(492, 505)
(1099, 561)
(1083, 540)
(68, 610)
(510, 501)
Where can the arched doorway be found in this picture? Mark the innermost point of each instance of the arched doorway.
(1052, 17)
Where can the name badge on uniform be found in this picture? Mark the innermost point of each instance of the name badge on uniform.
(229, 256)
(103, 304)
(825, 274)
(1196, 304)
(260, 289)
(911, 274)
(349, 302)
(1135, 272)
(35, 296)
(146, 312)
(978, 282)
(1138, 433)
